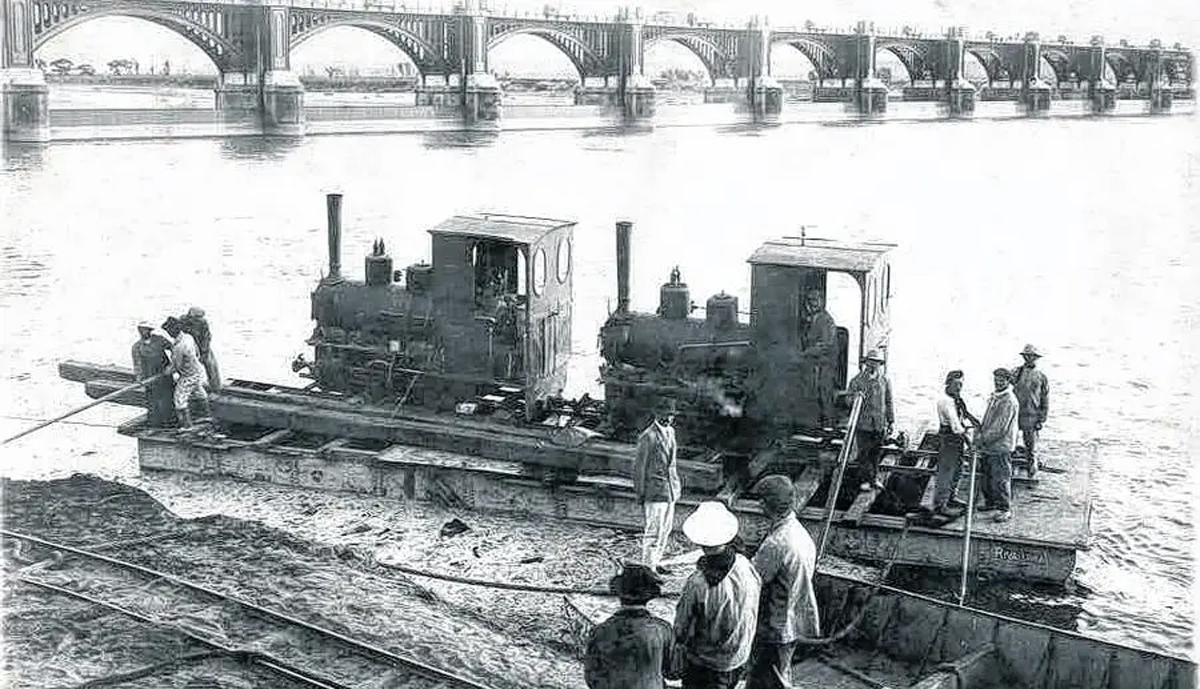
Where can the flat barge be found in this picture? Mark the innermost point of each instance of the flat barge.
(442, 382)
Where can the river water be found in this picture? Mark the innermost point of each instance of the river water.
(1078, 235)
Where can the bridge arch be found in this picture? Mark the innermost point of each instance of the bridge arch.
(586, 61)
(423, 55)
(822, 57)
(200, 27)
(911, 58)
(1059, 61)
(718, 64)
(992, 63)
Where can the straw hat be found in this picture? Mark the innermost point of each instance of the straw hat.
(712, 524)
(145, 325)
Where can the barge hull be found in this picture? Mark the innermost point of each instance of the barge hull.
(473, 483)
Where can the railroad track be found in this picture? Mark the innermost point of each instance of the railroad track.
(304, 653)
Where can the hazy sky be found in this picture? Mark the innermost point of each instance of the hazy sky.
(1171, 20)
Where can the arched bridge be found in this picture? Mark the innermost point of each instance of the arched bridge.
(250, 43)
(240, 37)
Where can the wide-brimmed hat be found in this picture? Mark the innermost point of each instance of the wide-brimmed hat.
(665, 406)
(145, 325)
(776, 493)
(874, 355)
(1030, 350)
(636, 583)
(712, 524)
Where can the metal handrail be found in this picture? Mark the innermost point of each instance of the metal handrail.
(836, 487)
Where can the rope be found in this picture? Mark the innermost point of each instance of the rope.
(531, 588)
(12, 417)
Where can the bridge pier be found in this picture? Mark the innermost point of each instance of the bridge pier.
(764, 95)
(276, 101)
(870, 94)
(960, 93)
(1161, 95)
(24, 94)
(635, 91)
(1035, 93)
(481, 95)
(25, 98)
(1101, 94)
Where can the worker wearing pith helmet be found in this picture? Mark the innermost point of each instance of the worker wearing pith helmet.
(717, 613)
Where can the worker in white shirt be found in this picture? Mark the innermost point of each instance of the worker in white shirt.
(953, 422)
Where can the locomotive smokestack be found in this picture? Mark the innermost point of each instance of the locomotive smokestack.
(333, 204)
(624, 228)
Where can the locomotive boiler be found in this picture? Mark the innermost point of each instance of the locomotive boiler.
(488, 320)
(736, 383)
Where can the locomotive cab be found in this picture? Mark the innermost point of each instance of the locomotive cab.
(504, 285)
(488, 320)
(796, 387)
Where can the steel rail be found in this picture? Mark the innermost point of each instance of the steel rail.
(395, 658)
(263, 659)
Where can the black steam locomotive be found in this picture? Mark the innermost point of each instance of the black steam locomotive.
(486, 328)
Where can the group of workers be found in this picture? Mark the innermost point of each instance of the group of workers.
(744, 617)
(1019, 402)
(737, 617)
(177, 366)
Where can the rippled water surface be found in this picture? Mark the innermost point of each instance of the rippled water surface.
(1077, 235)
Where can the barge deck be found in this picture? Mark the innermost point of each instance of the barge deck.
(288, 436)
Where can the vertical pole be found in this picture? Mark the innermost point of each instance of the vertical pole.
(966, 551)
(624, 230)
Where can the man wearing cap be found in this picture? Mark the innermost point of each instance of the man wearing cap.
(953, 419)
(1033, 394)
(196, 325)
(875, 420)
(717, 613)
(149, 360)
(787, 608)
(656, 482)
(186, 362)
(818, 341)
(632, 649)
(997, 439)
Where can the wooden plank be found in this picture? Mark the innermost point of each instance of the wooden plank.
(82, 372)
(806, 485)
(495, 442)
(866, 499)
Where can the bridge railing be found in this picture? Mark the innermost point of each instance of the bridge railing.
(559, 12)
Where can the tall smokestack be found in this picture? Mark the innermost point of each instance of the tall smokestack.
(333, 204)
(624, 228)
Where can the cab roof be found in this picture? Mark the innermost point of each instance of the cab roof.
(824, 254)
(519, 229)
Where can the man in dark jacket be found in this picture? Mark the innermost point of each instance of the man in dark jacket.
(875, 420)
(149, 360)
(656, 482)
(1033, 395)
(632, 649)
(195, 324)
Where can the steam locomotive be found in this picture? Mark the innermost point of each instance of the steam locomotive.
(486, 328)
